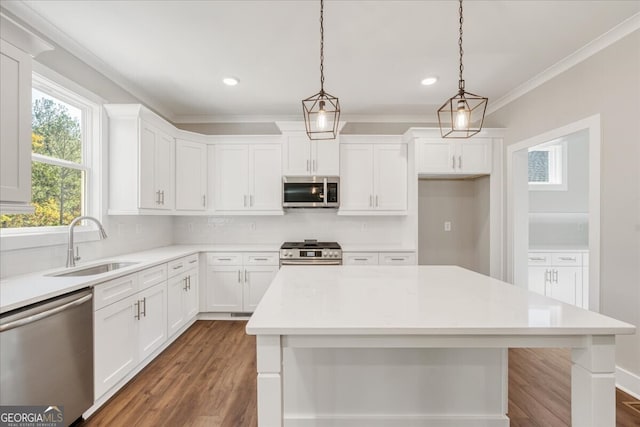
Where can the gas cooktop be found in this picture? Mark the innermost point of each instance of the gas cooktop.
(310, 244)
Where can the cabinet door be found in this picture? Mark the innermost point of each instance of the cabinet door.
(115, 343)
(232, 177)
(191, 175)
(176, 294)
(435, 156)
(566, 285)
(356, 177)
(148, 192)
(191, 296)
(256, 282)
(390, 177)
(164, 170)
(297, 155)
(152, 326)
(474, 156)
(538, 279)
(397, 258)
(224, 288)
(15, 126)
(265, 177)
(325, 157)
(360, 258)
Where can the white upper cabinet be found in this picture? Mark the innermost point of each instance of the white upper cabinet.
(141, 161)
(373, 178)
(15, 115)
(437, 156)
(302, 156)
(248, 178)
(191, 175)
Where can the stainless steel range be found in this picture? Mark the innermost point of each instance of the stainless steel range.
(310, 252)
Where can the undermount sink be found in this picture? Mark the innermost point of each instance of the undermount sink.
(93, 270)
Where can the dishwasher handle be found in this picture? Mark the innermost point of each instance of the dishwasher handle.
(44, 314)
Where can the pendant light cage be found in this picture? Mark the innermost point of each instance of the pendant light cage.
(462, 115)
(322, 110)
(321, 115)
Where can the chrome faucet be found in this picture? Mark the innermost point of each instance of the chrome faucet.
(71, 258)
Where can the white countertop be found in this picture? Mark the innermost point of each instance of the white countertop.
(559, 248)
(373, 248)
(19, 291)
(413, 300)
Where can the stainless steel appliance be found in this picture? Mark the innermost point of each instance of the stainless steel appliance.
(310, 252)
(46, 354)
(310, 192)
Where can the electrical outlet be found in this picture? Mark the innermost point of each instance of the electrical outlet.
(447, 226)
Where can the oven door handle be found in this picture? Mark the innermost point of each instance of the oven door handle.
(325, 192)
(307, 262)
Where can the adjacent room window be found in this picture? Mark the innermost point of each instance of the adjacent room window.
(61, 169)
(548, 166)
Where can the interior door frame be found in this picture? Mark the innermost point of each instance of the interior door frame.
(518, 203)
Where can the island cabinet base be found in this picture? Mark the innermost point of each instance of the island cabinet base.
(376, 387)
(434, 381)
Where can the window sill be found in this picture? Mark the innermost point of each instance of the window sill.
(11, 240)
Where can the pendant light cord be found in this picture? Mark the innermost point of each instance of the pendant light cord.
(321, 46)
(461, 81)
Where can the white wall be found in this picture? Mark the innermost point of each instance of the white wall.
(607, 83)
(297, 225)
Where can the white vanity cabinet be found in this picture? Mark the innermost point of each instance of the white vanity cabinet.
(439, 156)
(559, 275)
(237, 281)
(247, 178)
(141, 161)
(130, 323)
(182, 289)
(191, 175)
(16, 53)
(303, 157)
(373, 176)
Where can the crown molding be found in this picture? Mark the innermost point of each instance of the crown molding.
(32, 19)
(351, 118)
(618, 32)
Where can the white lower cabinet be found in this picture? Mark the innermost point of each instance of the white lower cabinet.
(381, 258)
(182, 288)
(559, 276)
(130, 323)
(236, 282)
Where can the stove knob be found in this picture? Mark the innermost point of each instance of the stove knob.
(333, 254)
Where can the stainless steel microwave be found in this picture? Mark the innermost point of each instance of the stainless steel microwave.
(310, 192)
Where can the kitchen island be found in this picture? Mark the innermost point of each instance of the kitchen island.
(415, 346)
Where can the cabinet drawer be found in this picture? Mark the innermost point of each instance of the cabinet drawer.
(152, 276)
(566, 258)
(179, 265)
(114, 290)
(261, 258)
(397, 258)
(191, 261)
(360, 258)
(539, 258)
(224, 258)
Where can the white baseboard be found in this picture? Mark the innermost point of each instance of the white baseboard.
(628, 382)
(395, 421)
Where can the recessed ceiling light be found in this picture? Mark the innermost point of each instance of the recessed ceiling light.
(230, 81)
(428, 81)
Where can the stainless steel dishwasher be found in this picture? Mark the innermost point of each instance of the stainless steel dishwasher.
(46, 354)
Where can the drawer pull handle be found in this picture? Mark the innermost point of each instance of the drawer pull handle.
(536, 258)
(177, 267)
(398, 259)
(224, 259)
(193, 261)
(360, 259)
(261, 259)
(567, 258)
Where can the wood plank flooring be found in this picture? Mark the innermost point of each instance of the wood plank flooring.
(207, 377)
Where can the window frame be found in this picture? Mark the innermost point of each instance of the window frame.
(57, 86)
(557, 150)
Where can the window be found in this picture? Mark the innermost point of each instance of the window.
(61, 160)
(548, 166)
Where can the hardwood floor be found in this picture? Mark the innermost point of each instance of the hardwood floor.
(208, 378)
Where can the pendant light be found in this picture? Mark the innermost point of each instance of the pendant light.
(322, 110)
(462, 115)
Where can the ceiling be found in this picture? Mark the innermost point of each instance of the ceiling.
(174, 54)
